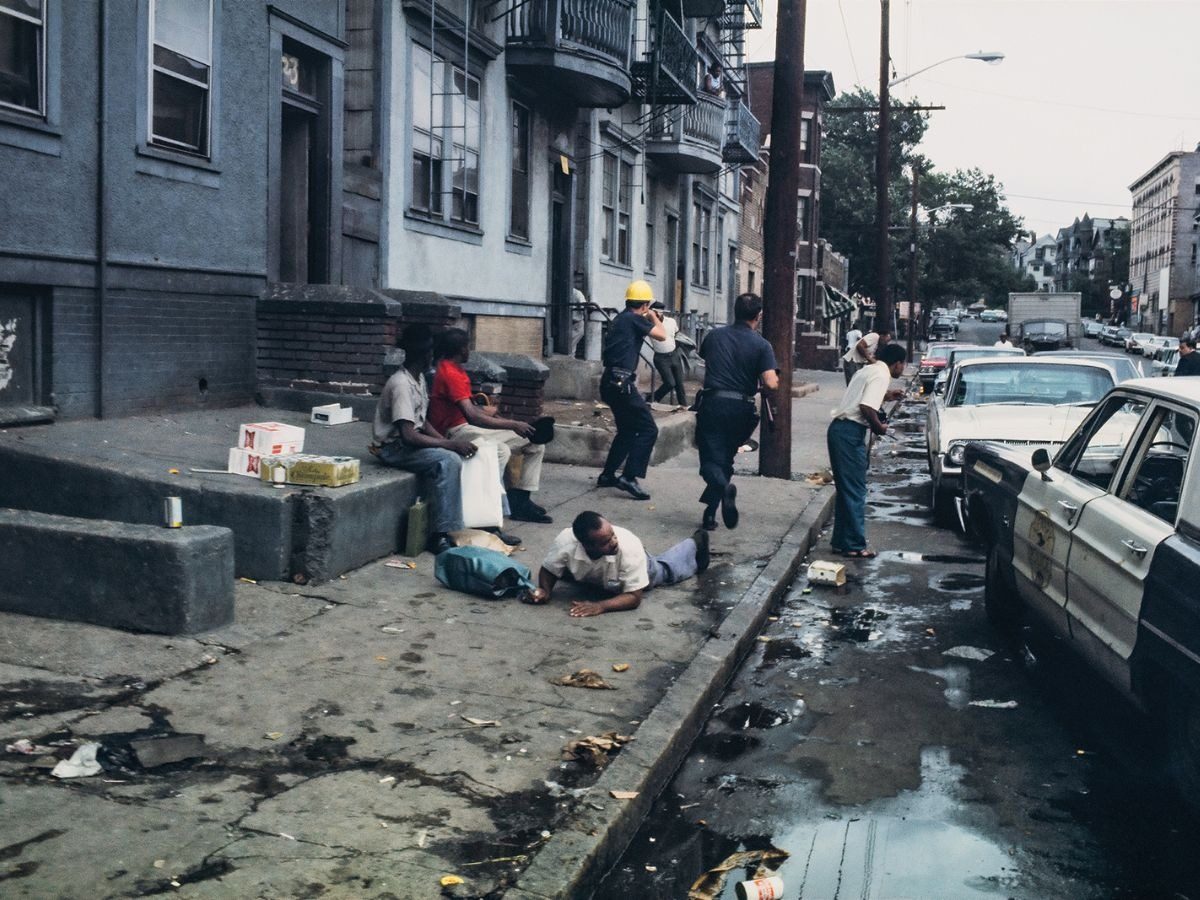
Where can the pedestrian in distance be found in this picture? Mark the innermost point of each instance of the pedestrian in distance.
(853, 336)
(862, 352)
(736, 360)
(633, 443)
(668, 359)
(855, 415)
(404, 439)
(453, 412)
(1004, 341)
(595, 552)
(1189, 360)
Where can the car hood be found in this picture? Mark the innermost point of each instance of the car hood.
(1038, 425)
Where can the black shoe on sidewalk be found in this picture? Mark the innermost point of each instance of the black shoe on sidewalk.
(729, 510)
(604, 479)
(531, 513)
(703, 556)
(632, 488)
(510, 539)
(710, 519)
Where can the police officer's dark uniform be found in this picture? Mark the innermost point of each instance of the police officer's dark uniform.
(734, 358)
(636, 431)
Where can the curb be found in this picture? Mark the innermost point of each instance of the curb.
(804, 389)
(571, 863)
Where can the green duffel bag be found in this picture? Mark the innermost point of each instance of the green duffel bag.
(482, 572)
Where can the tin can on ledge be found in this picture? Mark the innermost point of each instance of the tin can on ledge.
(172, 512)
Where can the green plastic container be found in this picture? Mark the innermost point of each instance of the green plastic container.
(417, 531)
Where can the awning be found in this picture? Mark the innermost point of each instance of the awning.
(837, 304)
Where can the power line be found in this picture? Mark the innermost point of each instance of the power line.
(849, 46)
(1103, 109)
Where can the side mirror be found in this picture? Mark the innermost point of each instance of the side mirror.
(1041, 462)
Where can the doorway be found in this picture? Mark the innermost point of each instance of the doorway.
(561, 289)
(303, 187)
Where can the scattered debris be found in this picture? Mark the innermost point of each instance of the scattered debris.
(761, 887)
(623, 795)
(709, 885)
(965, 652)
(155, 752)
(247, 581)
(81, 764)
(825, 476)
(651, 868)
(594, 750)
(284, 834)
(481, 723)
(209, 660)
(160, 863)
(26, 747)
(172, 471)
(995, 704)
(557, 790)
(620, 667)
(519, 858)
(450, 880)
(388, 779)
(400, 564)
(584, 678)
(380, 659)
(273, 735)
(391, 629)
(824, 572)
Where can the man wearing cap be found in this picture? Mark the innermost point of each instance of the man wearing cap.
(595, 552)
(668, 359)
(736, 359)
(636, 431)
(404, 438)
(454, 414)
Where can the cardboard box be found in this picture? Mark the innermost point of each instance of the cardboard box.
(271, 438)
(244, 462)
(824, 572)
(332, 414)
(310, 469)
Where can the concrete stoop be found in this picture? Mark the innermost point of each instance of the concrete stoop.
(581, 445)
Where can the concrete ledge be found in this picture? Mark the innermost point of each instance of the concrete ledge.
(579, 445)
(591, 841)
(136, 577)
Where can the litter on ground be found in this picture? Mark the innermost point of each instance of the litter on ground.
(584, 678)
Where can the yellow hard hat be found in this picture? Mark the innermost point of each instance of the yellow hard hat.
(639, 292)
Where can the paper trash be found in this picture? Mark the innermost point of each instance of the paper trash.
(825, 572)
(332, 414)
(271, 438)
(81, 764)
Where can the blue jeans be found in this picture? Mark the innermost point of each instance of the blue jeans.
(675, 565)
(848, 459)
(440, 472)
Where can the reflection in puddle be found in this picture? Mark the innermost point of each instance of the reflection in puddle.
(958, 581)
(958, 684)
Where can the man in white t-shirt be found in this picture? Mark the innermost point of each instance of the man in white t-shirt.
(862, 352)
(857, 413)
(1004, 341)
(595, 552)
(668, 359)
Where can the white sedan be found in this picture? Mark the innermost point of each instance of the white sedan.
(1031, 402)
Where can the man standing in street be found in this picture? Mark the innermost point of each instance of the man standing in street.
(454, 414)
(636, 431)
(857, 413)
(1004, 341)
(853, 336)
(736, 359)
(668, 359)
(595, 552)
(1189, 361)
(862, 352)
(405, 440)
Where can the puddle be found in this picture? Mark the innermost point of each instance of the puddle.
(857, 625)
(907, 556)
(754, 715)
(778, 649)
(726, 746)
(958, 684)
(958, 581)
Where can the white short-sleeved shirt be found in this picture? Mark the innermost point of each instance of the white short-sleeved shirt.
(868, 387)
(626, 571)
(403, 399)
(667, 344)
(853, 336)
(852, 355)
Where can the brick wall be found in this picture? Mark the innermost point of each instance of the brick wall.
(341, 354)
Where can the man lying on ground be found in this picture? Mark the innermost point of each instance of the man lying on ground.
(595, 552)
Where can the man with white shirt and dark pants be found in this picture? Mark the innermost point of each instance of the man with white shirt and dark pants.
(863, 351)
(857, 414)
(668, 359)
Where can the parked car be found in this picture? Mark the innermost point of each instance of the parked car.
(1034, 402)
(933, 360)
(1167, 363)
(1091, 328)
(1001, 315)
(1114, 335)
(990, 315)
(958, 353)
(1123, 367)
(944, 328)
(1133, 343)
(1151, 348)
(1102, 547)
(1044, 334)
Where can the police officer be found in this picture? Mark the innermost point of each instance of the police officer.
(736, 359)
(636, 431)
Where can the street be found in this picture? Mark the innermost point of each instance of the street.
(888, 739)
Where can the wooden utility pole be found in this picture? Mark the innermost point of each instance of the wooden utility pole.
(912, 262)
(779, 233)
(883, 300)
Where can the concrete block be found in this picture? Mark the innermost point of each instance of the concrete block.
(135, 577)
(580, 445)
(572, 379)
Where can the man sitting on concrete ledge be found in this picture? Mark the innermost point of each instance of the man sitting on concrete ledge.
(595, 552)
(454, 414)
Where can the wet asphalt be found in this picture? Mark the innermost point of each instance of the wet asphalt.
(895, 745)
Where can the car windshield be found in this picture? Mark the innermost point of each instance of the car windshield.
(1045, 327)
(957, 356)
(936, 352)
(1123, 366)
(1023, 384)
(1140, 336)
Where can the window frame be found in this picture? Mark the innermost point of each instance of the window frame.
(702, 226)
(1071, 454)
(39, 114)
(1138, 450)
(168, 144)
(616, 208)
(527, 198)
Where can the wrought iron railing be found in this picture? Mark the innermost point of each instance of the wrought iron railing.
(705, 122)
(669, 69)
(600, 27)
(743, 138)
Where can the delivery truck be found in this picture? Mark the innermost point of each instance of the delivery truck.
(1042, 321)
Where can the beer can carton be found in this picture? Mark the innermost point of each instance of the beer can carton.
(310, 469)
(244, 462)
(760, 889)
(271, 438)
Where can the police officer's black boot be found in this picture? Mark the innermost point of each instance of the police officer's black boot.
(710, 518)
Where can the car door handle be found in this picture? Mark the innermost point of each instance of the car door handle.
(1069, 508)
(1133, 547)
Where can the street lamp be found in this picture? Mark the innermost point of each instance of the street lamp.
(991, 57)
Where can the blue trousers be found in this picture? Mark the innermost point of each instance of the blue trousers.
(636, 432)
(848, 459)
(675, 565)
(440, 472)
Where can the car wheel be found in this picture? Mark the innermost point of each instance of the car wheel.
(942, 504)
(1000, 593)
(1183, 746)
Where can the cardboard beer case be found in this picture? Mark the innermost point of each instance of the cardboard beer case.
(271, 438)
(310, 469)
(244, 462)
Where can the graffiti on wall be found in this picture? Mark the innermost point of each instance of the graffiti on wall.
(8, 339)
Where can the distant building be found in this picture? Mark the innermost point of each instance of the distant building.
(1036, 258)
(1085, 247)
(1165, 281)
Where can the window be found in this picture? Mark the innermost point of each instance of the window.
(1093, 455)
(22, 55)
(650, 245)
(616, 191)
(805, 133)
(802, 219)
(518, 217)
(447, 122)
(720, 278)
(180, 74)
(1156, 475)
(701, 241)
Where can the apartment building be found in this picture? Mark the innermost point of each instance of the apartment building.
(1036, 258)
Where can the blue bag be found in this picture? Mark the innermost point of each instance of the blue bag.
(482, 572)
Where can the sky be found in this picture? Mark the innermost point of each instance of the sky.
(1091, 93)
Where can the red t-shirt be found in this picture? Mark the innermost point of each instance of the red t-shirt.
(451, 385)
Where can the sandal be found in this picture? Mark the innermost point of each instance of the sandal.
(864, 553)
